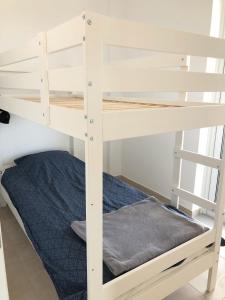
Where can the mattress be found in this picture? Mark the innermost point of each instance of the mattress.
(48, 191)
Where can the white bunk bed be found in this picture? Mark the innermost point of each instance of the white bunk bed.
(85, 116)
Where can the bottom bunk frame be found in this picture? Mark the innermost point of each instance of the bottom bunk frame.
(159, 277)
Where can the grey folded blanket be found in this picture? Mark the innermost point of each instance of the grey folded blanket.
(136, 233)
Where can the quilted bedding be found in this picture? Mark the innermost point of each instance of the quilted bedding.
(48, 190)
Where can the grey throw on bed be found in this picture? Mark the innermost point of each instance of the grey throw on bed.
(136, 233)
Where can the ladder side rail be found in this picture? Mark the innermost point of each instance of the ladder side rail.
(44, 80)
(219, 220)
(179, 141)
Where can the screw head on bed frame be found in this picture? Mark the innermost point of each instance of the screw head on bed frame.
(86, 134)
(84, 38)
(90, 83)
(91, 121)
(83, 17)
(91, 138)
(89, 22)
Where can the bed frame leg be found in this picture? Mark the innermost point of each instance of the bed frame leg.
(212, 277)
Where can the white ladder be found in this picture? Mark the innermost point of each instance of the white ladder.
(177, 192)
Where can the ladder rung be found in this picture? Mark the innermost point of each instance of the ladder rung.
(198, 158)
(202, 202)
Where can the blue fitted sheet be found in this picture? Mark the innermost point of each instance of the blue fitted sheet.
(48, 190)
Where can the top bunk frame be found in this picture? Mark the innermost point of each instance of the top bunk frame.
(93, 32)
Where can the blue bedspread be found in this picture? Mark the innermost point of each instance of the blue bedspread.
(48, 190)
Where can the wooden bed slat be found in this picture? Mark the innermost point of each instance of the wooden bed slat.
(108, 105)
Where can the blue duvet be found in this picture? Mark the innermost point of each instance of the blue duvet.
(48, 190)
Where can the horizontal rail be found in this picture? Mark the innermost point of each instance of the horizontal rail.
(68, 121)
(29, 110)
(29, 51)
(67, 35)
(176, 279)
(145, 36)
(27, 66)
(137, 276)
(125, 79)
(198, 158)
(25, 81)
(156, 61)
(67, 79)
(120, 124)
(187, 196)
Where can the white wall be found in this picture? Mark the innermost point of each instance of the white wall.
(149, 161)
(20, 21)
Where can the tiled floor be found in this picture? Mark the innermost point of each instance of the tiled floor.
(28, 280)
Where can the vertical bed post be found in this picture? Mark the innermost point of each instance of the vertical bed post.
(44, 84)
(93, 154)
(179, 141)
(218, 224)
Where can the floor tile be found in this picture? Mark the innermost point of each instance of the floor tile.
(186, 293)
